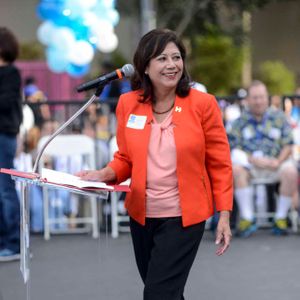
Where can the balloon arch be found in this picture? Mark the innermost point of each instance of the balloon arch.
(72, 30)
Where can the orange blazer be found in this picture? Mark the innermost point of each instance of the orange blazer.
(203, 157)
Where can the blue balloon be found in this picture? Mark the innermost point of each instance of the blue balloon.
(53, 11)
(70, 13)
(57, 60)
(78, 71)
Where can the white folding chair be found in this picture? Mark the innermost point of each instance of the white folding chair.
(116, 218)
(70, 145)
(293, 214)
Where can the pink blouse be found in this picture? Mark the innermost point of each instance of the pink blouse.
(162, 196)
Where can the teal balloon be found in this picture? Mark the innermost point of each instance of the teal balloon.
(80, 30)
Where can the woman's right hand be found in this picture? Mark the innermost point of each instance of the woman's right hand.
(105, 175)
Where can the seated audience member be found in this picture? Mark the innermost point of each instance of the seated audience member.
(113, 89)
(231, 113)
(295, 109)
(41, 112)
(276, 102)
(199, 86)
(110, 95)
(261, 145)
(30, 86)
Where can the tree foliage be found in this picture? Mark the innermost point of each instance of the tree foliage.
(189, 17)
(186, 17)
(216, 63)
(277, 77)
(216, 58)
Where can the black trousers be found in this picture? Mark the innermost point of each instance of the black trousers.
(164, 252)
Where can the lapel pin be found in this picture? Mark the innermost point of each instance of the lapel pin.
(178, 109)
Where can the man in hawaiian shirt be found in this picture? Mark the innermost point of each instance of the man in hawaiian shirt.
(261, 146)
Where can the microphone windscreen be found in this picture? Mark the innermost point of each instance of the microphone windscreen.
(128, 70)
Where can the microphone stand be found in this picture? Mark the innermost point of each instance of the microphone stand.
(66, 124)
(25, 206)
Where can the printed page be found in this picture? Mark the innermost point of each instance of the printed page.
(57, 177)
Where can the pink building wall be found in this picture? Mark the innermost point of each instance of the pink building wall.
(55, 86)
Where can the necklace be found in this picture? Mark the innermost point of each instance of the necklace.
(162, 112)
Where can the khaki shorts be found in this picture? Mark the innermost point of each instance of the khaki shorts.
(271, 175)
(240, 157)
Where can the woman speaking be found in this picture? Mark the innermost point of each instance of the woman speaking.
(173, 146)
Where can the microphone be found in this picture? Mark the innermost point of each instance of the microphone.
(126, 71)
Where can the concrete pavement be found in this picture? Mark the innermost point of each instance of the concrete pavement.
(76, 267)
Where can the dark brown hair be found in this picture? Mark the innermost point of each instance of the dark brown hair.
(151, 45)
(9, 46)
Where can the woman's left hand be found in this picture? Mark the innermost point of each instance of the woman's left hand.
(223, 234)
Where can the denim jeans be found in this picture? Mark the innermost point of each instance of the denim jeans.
(9, 201)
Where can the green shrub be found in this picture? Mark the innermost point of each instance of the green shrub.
(31, 51)
(217, 63)
(277, 77)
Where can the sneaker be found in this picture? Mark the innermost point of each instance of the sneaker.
(8, 255)
(280, 227)
(246, 228)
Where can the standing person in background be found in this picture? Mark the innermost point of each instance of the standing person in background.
(10, 120)
(173, 146)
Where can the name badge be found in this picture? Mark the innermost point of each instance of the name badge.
(136, 122)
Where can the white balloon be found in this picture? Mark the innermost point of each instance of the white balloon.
(82, 53)
(100, 27)
(63, 38)
(108, 3)
(107, 42)
(114, 16)
(90, 18)
(45, 32)
(88, 4)
(77, 7)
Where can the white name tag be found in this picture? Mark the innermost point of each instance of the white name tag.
(136, 122)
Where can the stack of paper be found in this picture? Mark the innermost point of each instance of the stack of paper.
(57, 177)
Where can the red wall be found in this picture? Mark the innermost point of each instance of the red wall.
(56, 86)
